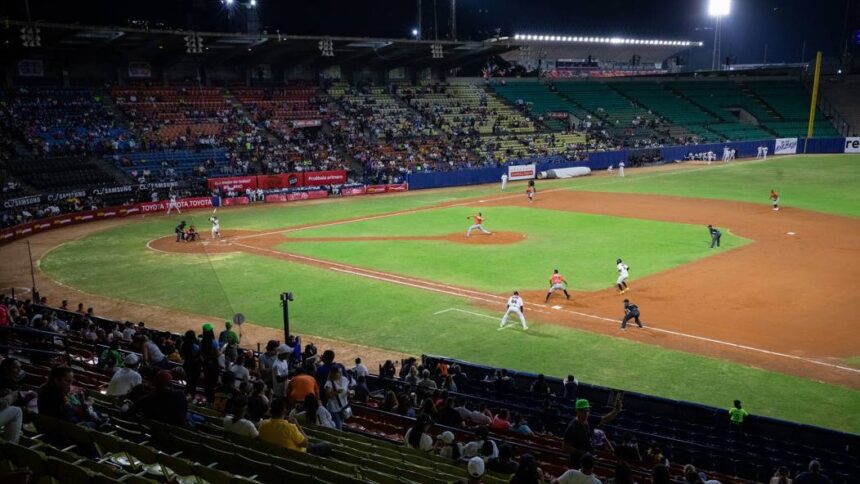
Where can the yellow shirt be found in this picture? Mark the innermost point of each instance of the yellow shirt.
(282, 433)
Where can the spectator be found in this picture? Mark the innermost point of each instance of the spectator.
(237, 423)
(287, 434)
(11, 416)
(412, 378)
(390, 403)
(10, 381)
(300, 386)
(324, 369)
(475, 469)
(418, 436)
(781, 476)
(191, 362)
(504, 463)
(268, 358)
(241, 374)
(258, 402)
(660, 474)
(210, 354)
(281, 372)
(476, 446)
(110, 358)
(449, 416)
(481, 416)
(578, 435)
(387, 370)
(623, 474)
(629, 449)
(585, 474)
(125, 378)
(405, 406)
(225, 393)
(152, 354)
(426, 384)
(361, 393)
(813, 476)
(691, 476)
(501, 421)
(313, 413)
(164, 404)
(528, 471)
(228, 340)
(540, 387)
(504, 383)
(521, 426)
(337, 395)
(359, 369)
(737, 415)
(448, 447)
(55, 393)
(654, 455)
(571, 385)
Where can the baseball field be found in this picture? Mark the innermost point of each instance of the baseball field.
(768, 317)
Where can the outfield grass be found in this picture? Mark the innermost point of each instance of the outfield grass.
(364, 311)
(825, 183)
(583, 247)
(116, 263)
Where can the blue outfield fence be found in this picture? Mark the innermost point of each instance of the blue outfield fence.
(600, 160)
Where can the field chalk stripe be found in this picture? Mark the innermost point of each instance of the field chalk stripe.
(492, 298)
(468, 312)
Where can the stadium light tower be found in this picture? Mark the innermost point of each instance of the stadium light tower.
(718, 9)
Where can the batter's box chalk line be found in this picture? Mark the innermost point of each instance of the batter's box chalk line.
(556, 307)
(790, 233)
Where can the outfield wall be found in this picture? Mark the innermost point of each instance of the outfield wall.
(601, 160)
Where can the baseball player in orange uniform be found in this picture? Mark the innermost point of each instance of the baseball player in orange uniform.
(478, 225)
(530, 191)
(775, 198)
(556, 282)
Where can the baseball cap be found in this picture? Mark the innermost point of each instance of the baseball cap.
(284, 349)
(476, 467)
(582, 404)
(208, 327)
(228, 324)
(163, 379)
(446, 437)
(130, 360)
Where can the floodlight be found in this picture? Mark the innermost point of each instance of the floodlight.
(253, 3)
(415, 34)
(228, 2)
(719, 8)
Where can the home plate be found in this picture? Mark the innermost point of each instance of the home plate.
(556, 307)
(790, 233)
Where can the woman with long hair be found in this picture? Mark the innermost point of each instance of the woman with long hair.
(418, 437)
(390, 403)
(237, 423)
(191, 362)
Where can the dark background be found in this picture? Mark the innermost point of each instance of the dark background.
(783, 25)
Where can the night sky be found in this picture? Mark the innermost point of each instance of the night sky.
(783, 25)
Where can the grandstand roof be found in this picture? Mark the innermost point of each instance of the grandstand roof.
(62, 41)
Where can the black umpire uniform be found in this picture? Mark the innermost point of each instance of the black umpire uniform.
(631, 311)
(180, 231)
(715, 236)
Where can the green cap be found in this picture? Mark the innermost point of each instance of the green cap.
(582, 404)
(228, 324)
(208, 327)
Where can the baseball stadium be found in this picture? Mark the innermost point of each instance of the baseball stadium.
(469, 242)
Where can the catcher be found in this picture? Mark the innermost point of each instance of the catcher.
(556, 282)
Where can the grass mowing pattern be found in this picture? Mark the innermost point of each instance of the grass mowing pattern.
(584, 247)
(825, 183)
(116, 263)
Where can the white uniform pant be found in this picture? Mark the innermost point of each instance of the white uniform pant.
(477, 227)
(216, 231)
(172, 206)
(516, 311)
(504, 184)
(10, 420)
(621, 171)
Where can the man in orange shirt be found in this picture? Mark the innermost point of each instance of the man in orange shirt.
(300, 386)
(478, 225)
(775, 199)
(556, 282)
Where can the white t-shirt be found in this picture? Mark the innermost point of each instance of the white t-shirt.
(622, 269)
(155, 354)
(360, 370)
(241, 373)
(243, 427)
(123, 381)
(425, 444)
(480, 418)
(574, 476)
(474, 448)
(280, 368)
(323, 418)
(339, 400)
(515, 302)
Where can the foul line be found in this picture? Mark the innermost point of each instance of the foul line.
(539, 308)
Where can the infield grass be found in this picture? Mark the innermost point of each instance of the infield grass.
(116, 263)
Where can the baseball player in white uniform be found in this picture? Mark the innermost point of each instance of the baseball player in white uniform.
(515, 306)
(623, 274)
(759, 153)
(504, 181)
(725, 153)
(216, 227)
(764, 152)
(621, 169)
(172, 204)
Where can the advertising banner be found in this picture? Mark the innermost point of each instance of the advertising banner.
(852, 145)
(236, 201)
(353, 191)
(522, 172)
(373, 189)
(235, 183)
(184, 203)
(400, 187)
(319, 178)
(785, 146)
(312, 195)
